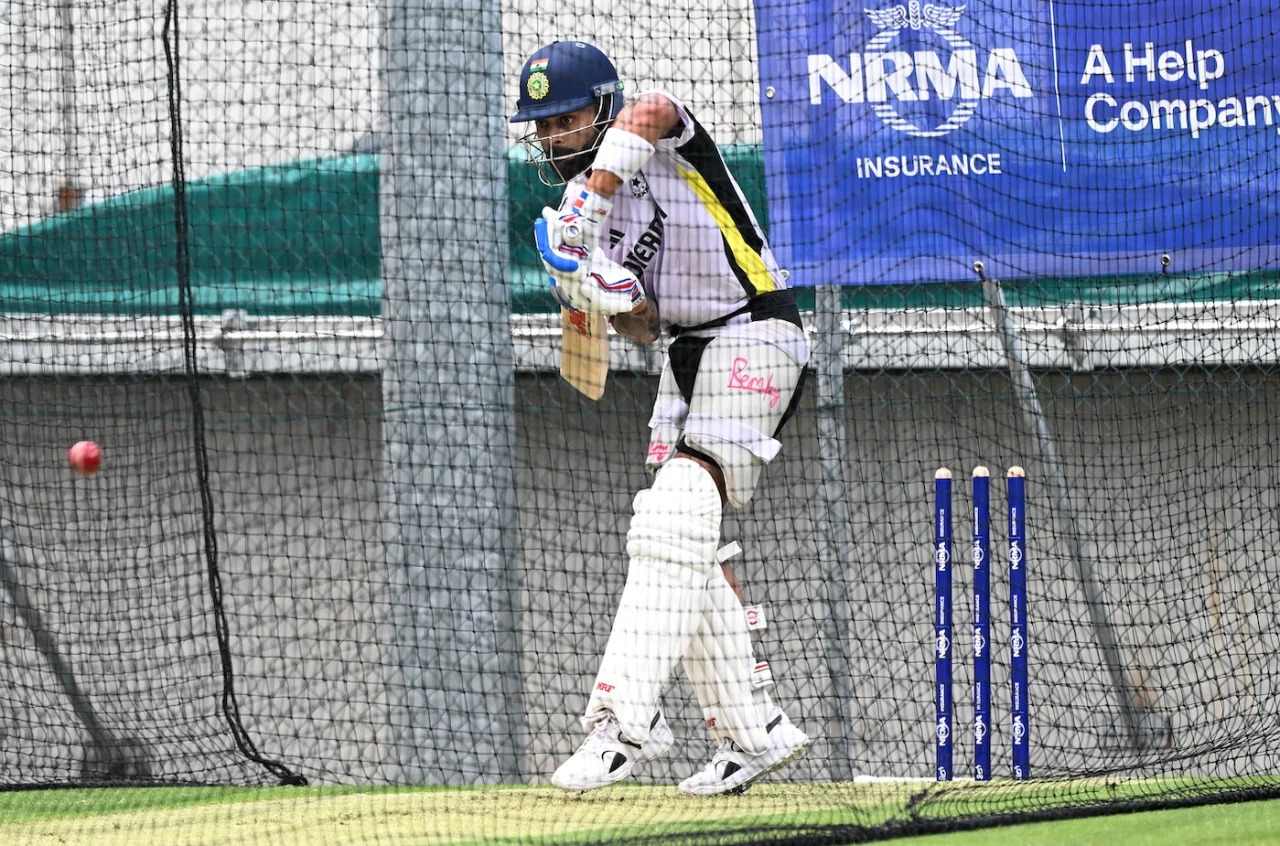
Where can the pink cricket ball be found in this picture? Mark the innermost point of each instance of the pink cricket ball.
(85, 458)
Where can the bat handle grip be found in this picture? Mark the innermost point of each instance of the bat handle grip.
(573, 235)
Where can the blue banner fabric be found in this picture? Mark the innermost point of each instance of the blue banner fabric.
(905, 141)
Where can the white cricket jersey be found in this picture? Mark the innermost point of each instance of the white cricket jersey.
(684, 227)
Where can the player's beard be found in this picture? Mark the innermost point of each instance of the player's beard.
(571, 165)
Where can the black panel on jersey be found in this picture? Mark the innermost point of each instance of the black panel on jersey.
(701, 152)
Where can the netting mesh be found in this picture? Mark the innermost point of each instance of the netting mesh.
(352, 528)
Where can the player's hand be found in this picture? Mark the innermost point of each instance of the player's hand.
(579, 225)
(606, 288)
(565, 264)
(585, 282)
(567, 240)
(609, 287)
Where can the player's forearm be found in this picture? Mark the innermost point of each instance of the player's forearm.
(630, 141)
(651, 117)
(639, 325)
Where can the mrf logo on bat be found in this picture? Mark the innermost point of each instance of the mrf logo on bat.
(922, 77)
(578, 319)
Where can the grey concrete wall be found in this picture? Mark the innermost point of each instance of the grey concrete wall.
(1174, 475)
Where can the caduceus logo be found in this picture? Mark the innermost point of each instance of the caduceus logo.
(940, 20)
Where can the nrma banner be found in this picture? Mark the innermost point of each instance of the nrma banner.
(904, 141)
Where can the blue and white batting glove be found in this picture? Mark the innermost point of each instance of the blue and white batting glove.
(591, 282)
(584, 216)
(566, 295)
(609, 287)
(566, 269)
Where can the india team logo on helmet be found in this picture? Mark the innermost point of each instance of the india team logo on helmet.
(538, 85)
(565, 76)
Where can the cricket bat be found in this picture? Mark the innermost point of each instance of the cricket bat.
(584, 350)
(584, 353)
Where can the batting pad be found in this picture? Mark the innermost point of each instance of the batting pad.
(746, 378)
(722, 668)
(672, 545)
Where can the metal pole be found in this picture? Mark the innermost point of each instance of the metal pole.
(828, 364)
(69, 189)
(107, 757)
(450, 525)
(1029, 401)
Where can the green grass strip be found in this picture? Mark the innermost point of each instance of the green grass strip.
(634, 814)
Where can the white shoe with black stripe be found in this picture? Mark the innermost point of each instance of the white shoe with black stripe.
(607, 757)
(733, 771)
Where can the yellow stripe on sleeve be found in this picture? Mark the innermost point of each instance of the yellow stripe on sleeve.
(751, 263)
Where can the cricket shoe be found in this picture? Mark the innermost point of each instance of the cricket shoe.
(733, 770)
(606, 756)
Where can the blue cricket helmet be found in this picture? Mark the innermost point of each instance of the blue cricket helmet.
(565, 76)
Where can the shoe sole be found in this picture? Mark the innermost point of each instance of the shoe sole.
(664, 739)
(622, 773)
(795, 754)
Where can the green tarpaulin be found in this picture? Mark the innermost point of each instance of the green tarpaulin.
(301, 239)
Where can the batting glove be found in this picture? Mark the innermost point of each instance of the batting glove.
(585, 216)
(590, 282)
(609, 287)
